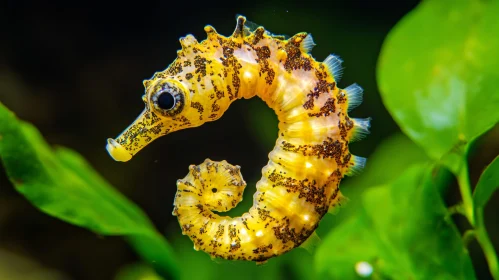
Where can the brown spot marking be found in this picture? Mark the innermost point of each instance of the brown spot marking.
(174, 69)
(337, 173)
(295, 58)
(136, 132)
(187, 227)
(220, 231)
(309, 104)
(345, 127)
(328, 149)
(284, 233)
(215, 107)
(334, 194)
(236, 82)
(199, 107)
(346, 158)
(229, 91)
(322, 86)
(341, 97)
(263, 55)
(231, 62)
(187, 63)
(188, 76)
(264, 214)
(212, 166)
(327, 109)
(200, 65)
(307, 189)
(232, 231)
(275, 177)
(227, 53)
(183, 119)
(220, 93)
(215, 244)
(262, 249)
(258, 35)
(196, 172)
(234, 247)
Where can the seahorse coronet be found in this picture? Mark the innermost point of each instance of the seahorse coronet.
(300, 183)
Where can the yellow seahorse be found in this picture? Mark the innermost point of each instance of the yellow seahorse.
(300, 183)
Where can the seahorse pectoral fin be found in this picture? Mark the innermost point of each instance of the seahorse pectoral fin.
(141, 132)
(339, 201)
(311, 243)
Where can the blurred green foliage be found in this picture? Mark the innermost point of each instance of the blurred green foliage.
(14, 266)
(402, 231)
(61, 183)
(438, 78)
(438, 73)
(440, 85)
(488, 183)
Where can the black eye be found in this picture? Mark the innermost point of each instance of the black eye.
(166, 101)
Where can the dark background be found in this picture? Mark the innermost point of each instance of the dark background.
(75, 71)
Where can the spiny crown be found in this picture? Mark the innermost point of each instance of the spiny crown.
(247, 33)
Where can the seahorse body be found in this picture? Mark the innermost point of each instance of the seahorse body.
(300, 183)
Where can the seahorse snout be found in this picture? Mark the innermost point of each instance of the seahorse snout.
(117, 151)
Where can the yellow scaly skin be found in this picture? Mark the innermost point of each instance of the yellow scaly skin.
(300, 183)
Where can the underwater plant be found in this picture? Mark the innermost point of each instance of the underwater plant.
(438, 79)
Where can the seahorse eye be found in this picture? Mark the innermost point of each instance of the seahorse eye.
(166, 101)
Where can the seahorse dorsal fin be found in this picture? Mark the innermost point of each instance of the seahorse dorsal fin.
(354, 96)
(360, 128)
(333, 64)
(307, 44)
(250, 27)
(357, 164)
(239, 31)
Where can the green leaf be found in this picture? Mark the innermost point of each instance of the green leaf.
(438, 73)
(199, 265)
(346, 246)
(383, 166)
(487, 184)
(402, 231)
(62, 184)
(386, 164)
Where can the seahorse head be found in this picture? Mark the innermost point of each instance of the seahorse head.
(190, 92)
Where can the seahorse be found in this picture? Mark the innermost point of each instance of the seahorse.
(300, 183)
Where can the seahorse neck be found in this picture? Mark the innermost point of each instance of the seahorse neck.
(264, 74)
